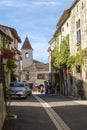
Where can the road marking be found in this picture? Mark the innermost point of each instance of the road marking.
(58, 122)
(25, 104)
(82, 102)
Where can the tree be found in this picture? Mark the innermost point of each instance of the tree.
(60, 57)
(11, 65)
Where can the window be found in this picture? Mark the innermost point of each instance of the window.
(26, 55)
(82, 5)
(78, 32)
(40, 76)
(77, 8)
(67, 24)
(63, 29)
(27, 76)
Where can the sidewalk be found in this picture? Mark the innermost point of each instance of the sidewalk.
(82, 102)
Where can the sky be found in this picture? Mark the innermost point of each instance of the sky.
(36, 19)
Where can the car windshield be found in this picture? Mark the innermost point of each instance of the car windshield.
(17, 85)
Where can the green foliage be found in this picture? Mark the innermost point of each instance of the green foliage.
(2, 42)
(84, 53)
(70, 61)
(11, 64)
(64, 52)
(79, 58)
(13, 76)
(55, 55)
(61, 57)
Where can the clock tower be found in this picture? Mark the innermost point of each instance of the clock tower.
(27, 54)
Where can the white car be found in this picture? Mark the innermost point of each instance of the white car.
(20, 89)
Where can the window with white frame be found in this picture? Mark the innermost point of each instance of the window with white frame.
(78, 32)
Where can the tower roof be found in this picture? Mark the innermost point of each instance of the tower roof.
(27, 44)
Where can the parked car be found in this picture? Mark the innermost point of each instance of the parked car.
(20, 89)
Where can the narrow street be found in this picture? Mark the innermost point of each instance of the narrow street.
(49, 112)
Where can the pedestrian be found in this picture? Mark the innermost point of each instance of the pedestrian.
(50, 87)
(42, 88)
(46, 87)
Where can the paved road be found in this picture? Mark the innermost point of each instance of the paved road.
(30, 116)
(72, 112)
(49, 112)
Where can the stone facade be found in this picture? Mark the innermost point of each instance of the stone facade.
(52, 44)
(27, 53)
(73, 23)
(15, 39)
(79, 13)
(8, 40)
(34, 72)
(2, 107)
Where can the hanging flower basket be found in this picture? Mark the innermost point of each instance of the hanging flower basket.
(9, 54)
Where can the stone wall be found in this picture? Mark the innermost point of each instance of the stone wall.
(2, 107)
(78, 13)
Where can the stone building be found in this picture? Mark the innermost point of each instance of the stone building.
(34, 72)
(2, 82)
(78, 37)
(73, 23)
(8, 41)
(15, 40)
